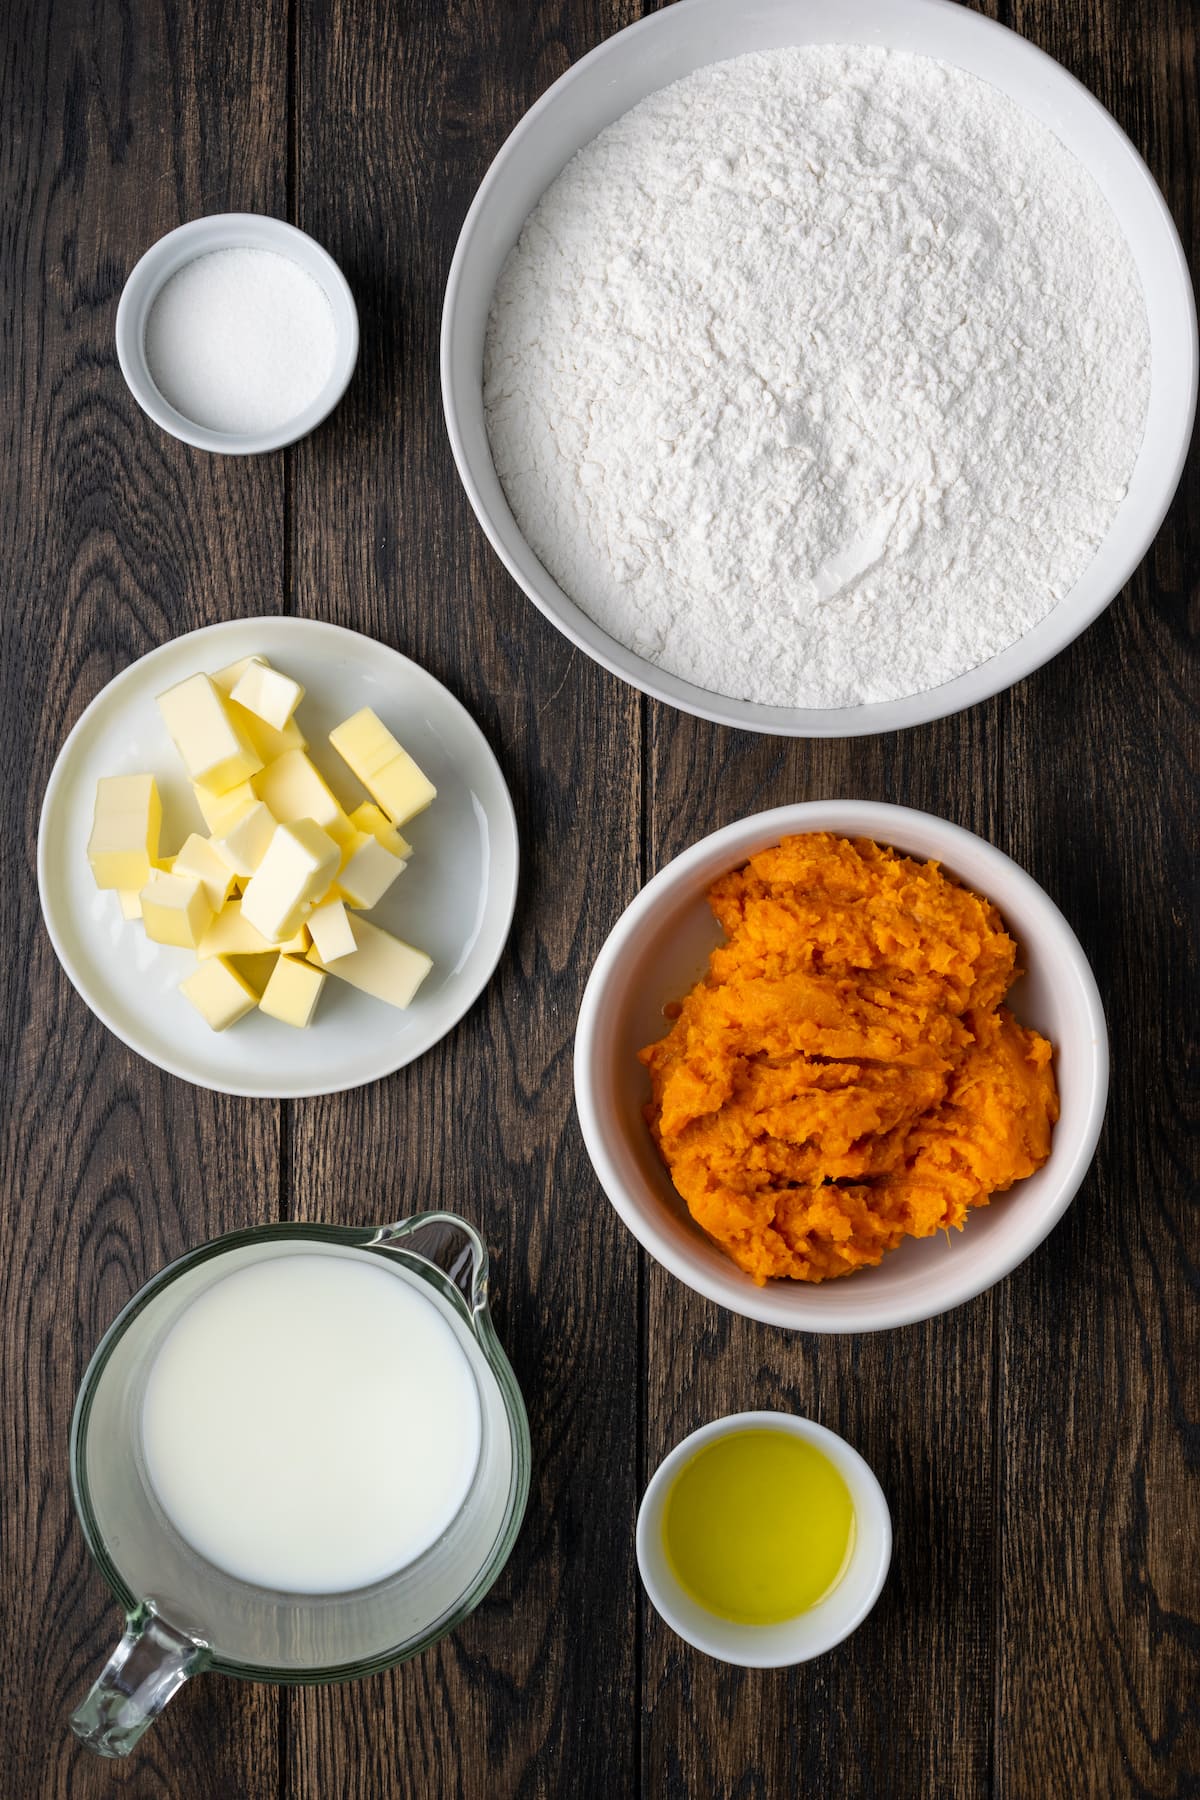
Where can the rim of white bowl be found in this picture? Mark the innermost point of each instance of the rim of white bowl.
(791, 1304)
(758, 1646)
(232, 231)
(1051, 635)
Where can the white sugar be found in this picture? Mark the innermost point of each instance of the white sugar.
(241, 340)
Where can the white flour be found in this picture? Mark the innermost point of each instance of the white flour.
(818, 377)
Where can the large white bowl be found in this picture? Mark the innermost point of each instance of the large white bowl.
(686, 36)
(657, 950)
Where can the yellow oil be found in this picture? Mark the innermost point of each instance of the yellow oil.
(759, 1526)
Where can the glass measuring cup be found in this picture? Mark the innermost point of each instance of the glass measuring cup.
(183, 1614)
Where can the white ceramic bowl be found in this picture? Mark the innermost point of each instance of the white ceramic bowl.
(658, 949)
(672, 43)
(232, 231)
(810, 1633)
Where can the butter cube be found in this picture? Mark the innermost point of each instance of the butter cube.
(256, 970)
(199, 858)
(175, 909)
(368, 872)
(216, 753)
(125, 829)
(329, 929)
(382, 965)
(268, 694)
(296, 871)
(269, 742)
(220, 811)
(219, 994)
(384, 767)
(231, 935)
(294, 788)
(131, 903)
(375, 823)
(293, 991)
(243, 844)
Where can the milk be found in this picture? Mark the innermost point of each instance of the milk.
(311, 1422)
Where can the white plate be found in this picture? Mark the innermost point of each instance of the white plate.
(455, 899)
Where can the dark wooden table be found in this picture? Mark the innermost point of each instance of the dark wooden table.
(1038, 1636)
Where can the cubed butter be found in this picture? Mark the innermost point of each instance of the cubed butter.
(220, 811)
(232, 935)
(219, 994)
(384, 767)
(382, 965)
(374, 821)
(131, 903)
(296, 871)
(329, 928)
(215, 751)
(266, 692)
(257, 969)
(175, 909)
(125, 829)
(199, 858)
(294, 788)
(293, 991)
(367, 872)
(243, 844)
(269, 742)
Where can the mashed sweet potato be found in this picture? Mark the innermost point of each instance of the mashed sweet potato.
(845, 1074)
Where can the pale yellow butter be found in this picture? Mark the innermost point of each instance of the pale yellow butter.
(296, 871)
(329, 928)
(266, 692)
(243, 844)
(232, 935)
(269, 742)
(131, 903)
(294, 788)
(382, 965)
(125, 829)
(175, 909)
(199, 858)
(219, 994)
(220, 811)
(384, 767)
(372, 820)
(367, 872)
(216, 753)
(293, 991)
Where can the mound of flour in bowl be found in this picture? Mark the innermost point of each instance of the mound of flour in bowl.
(818, 377)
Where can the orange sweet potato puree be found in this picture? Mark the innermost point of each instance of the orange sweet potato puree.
(845, 1074)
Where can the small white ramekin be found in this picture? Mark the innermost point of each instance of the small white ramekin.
(810, 1633)
(232, 231)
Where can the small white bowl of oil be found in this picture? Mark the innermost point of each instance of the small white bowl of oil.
(764, 1539)
(237, 333)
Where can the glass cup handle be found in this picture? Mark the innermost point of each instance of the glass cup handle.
(455, 1247)
(148, 1666)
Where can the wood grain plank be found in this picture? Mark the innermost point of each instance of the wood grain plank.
(113, 538)
(1100, 1396)
(385, 542)
(917, 1403)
